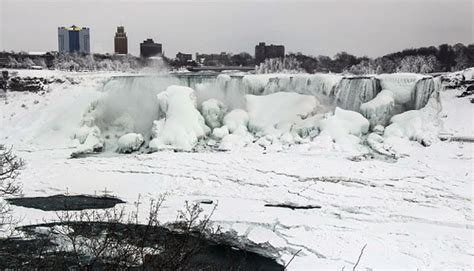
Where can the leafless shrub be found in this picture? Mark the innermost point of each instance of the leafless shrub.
(115, 239)
(10, 166)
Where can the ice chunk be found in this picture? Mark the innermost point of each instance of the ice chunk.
(235, 119)
(344, 125)
(220, 132)
(377, 144)
(308, 126)
(130, 142)
(183, 124)
(213, 112)
(92, 144)
(379, 110)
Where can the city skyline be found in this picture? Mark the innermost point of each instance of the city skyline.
(206, 27)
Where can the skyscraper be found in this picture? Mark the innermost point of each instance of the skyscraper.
(121, 45)
(73, 39)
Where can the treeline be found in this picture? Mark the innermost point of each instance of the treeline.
(73, 61)
(444, 58)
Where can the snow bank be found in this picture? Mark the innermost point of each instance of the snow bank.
(380, 109)
(344, 125)
(418, 125)
(180, 124)
(279, 111)
(213, 112)
(130, 142)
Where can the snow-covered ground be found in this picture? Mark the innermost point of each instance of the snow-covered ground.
(413, 213)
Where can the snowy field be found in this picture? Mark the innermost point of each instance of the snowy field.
(413, 213)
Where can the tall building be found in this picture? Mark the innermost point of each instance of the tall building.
(120, 41)
(149, 48)
(263, 51)
(74, 39)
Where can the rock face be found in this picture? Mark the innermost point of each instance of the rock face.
(31, 84)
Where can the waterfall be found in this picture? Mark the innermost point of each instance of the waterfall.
(351, 92)
(423, 90)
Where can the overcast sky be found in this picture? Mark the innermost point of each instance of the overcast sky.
(365, 27)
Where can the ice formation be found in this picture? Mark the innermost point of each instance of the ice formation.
(418, 125)
(279, 111)
(351, 92)
(344, 125)
(236, 119)
(180, 124)
(380, 109)
(130, 142)
(271, 110)
(213, 112)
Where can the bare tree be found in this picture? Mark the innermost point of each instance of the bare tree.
(10, 166)
(116, 239)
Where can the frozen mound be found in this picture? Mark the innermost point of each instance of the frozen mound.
(417, 125)
(351, 92)
(344, 125)
(236, 119)
(130, 142)
(377, 143)
(234, 134)
(179, 124)
(220, 132)
(468, 73)
(88, 138)
(277, 113)
(237, 140)
(213, 112)
(309, 127)
(380, 109)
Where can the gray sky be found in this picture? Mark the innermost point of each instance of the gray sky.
(366, 27)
